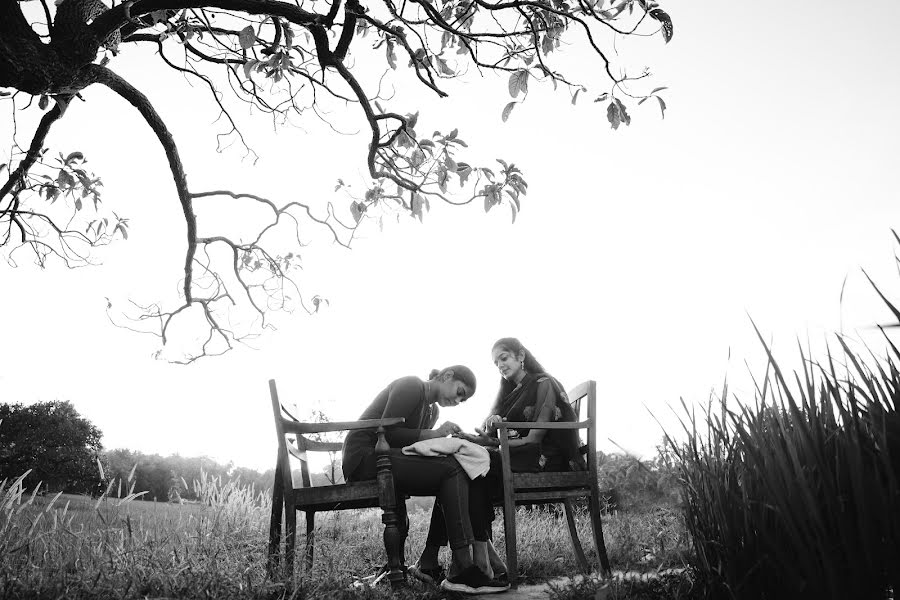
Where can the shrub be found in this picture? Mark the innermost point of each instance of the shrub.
(628, 482)
(797, 496)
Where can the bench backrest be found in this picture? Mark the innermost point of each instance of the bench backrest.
(297, 445)
(583, 397)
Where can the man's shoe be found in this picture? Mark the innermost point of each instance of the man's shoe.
(473, 581)
(434, 576)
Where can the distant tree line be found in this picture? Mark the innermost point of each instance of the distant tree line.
(61, 451)
(171, 478)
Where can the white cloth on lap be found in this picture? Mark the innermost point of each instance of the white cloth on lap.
(474, 459)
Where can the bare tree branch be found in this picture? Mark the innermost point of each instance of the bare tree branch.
(134, 97)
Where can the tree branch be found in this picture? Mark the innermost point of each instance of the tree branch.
(116, 17)
(37, 144)
(137, 99)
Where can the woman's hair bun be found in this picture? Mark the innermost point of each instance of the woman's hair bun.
(434, 373)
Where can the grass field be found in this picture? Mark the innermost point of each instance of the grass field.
(78, 547)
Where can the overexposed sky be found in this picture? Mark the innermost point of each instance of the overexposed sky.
(636, 259)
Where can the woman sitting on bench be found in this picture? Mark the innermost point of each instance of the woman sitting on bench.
(527, 393)
(416, 401)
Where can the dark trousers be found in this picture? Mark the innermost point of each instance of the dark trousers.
(439, 476)
(483, 491)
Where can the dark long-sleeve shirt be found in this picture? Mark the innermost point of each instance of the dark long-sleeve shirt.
(404, 397)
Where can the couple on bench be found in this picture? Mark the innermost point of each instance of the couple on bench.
(461, 470)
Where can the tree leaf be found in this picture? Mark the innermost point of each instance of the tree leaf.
(626, 118)
(667, 29)
(247, 37)
(417, 203)
(444, 68)
(662, 107)
(74, 156)
(391, 57)
(612, 115)
(64, 179)
(463, 170)
(513, 84)
(547, 44)
(575, 96)
(248, 67)
(518, 82)
(613, 12)
(507, 110)
(357, 210)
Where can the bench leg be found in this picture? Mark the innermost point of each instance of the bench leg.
(597, 526)
(573, 535)
(509, 530)
(393, 536)
(290, 534)
(275, 523)
(310, 539)
(403, 523)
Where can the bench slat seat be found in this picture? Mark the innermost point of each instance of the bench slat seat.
(362, 494)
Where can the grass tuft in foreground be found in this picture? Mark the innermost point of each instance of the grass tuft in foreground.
(75, 546)
(797, 496)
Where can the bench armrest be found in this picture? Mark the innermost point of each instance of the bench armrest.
(542, 425)
(302, 428)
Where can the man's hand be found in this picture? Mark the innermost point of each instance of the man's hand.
(482, 439)
(447, 428)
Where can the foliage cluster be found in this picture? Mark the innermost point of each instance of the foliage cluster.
(629, 481)
(797, 495)
(333, 60)
(53, 442)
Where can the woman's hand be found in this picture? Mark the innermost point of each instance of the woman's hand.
(447, 428)
(491, 422)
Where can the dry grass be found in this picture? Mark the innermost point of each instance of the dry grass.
(79, 547)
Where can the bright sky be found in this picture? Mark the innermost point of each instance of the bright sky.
(636, 259)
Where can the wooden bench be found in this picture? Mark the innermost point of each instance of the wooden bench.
(556, 487)
(288, 499)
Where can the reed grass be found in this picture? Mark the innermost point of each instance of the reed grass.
(796, 494)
